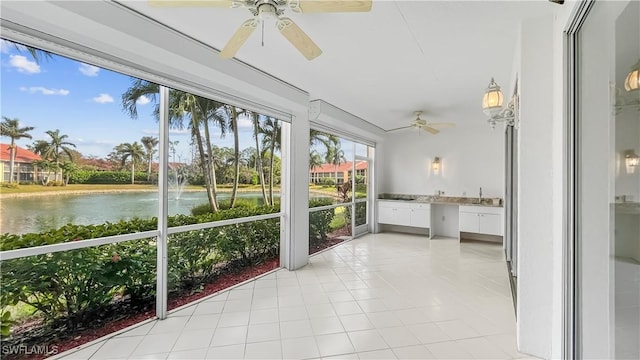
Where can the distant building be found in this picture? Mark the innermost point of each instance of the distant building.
(23, 165)
(319, 173)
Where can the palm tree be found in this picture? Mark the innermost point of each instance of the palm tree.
(35, 53)
(335, 156)
(149, 143)
(133, 151)
(256, 132)
(44, 165)
(39, 147)
(228, 115)
(181, 105)
(58, 147)
(11, 128)
(271, 140)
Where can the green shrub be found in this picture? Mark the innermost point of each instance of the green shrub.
(226, 204)
(319, 221)
(69, 285)
(10, 185)
(105, 177)
(361, 213)
(327, 181)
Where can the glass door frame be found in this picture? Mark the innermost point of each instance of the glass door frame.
(571, 277)
(359, 230)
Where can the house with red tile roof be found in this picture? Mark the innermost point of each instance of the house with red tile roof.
(23, 164)
(319, 173)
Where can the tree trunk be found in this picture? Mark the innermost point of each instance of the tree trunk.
(12, 160)
(149, 169)
(236, 153)
(271, 151)
(211, 165)
(205, 169)
(259, 162)
(133, 170)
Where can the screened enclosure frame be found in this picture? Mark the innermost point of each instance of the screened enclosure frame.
(20, 34)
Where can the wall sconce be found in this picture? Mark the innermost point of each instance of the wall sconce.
(492, 106)
(630, 99)
(632, 82)
(632, 160)
(435, 165)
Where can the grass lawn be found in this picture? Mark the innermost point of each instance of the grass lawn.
(339, 218)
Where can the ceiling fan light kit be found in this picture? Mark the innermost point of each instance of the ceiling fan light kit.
(422, 124)
(270, 10)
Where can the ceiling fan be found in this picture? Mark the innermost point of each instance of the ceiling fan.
(263, 10)
(424, 125)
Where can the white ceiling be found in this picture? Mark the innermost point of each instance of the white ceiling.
(403, 56)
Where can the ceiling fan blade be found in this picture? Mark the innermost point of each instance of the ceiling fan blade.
(325, 6)
(298, 38)
(430, 129)
(191, 3)
(400, 128)
(442, 125)
(241, 35)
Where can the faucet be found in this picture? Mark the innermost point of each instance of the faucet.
(480, 197)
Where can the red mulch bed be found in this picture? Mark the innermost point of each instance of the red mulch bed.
(221, 282)
(333, 238)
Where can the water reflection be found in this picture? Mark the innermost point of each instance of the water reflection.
(41, 213)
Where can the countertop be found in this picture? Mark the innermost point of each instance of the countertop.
(440, 200)
(629, 207)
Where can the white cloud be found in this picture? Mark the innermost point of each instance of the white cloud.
(88, 70)
(23, 64)
(103, 99)
(6, 46)
(171, 132)
(44, 91)
(143, 100)
(244, 122)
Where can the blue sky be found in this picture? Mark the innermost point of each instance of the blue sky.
(83, 101)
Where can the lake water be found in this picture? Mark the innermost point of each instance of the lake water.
(41, 213)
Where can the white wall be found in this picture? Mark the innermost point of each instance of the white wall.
(535, 196)
(472, 156)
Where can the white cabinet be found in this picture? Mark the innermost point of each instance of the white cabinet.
(386, 214)
(481, 220)
(404, 213)
(420, 216)
(468, 222)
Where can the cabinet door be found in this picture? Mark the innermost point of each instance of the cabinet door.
(420, 218)
(386, 215)
(490, 224)
(403, 216)
(469, 222)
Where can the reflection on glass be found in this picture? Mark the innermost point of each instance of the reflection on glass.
(626, 231)
(609, 190)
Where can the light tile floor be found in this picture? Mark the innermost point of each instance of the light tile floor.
(382, 296)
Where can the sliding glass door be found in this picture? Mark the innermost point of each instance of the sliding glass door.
(606, 192)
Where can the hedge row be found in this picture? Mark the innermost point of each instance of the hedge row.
(105, 177)
(71, 284)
